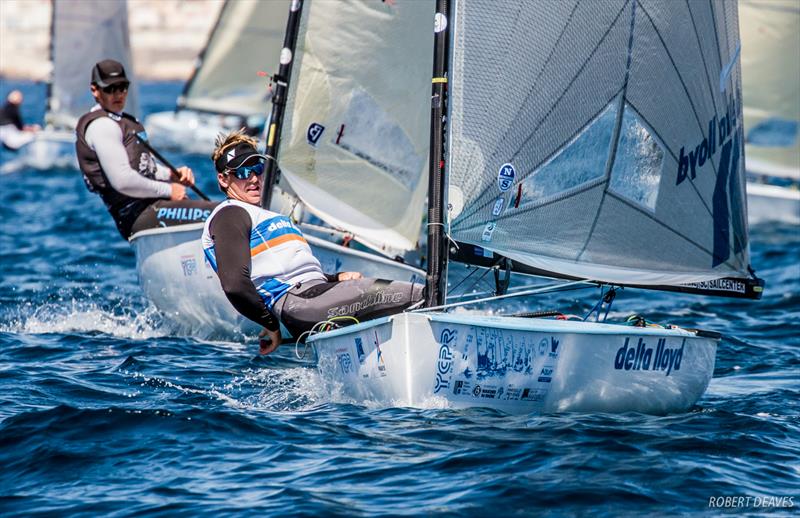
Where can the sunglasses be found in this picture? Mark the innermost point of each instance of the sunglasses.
(123, 87)
(244, 172)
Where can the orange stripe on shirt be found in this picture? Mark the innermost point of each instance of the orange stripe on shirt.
(275, 242)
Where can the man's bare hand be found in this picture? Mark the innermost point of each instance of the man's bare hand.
(184, 176)
(348, 276)
(268, 340)
(178, 192)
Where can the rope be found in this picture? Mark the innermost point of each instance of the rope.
(323, 325)
(553, 288)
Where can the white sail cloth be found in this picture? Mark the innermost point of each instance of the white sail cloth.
(84, 33)
(771, 85)
(355, 138)
(246, 40)
(599, 140)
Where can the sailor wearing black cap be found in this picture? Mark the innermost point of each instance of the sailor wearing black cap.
(118, 167)
(267, 269)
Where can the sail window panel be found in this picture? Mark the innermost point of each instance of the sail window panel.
(570, 90)
(638, 162)
(580, 161)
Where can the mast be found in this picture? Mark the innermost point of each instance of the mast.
(52, 60)
(279, 100)
(436, 282)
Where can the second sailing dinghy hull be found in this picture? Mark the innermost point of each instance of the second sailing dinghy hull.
(516, 365)
(178, 280)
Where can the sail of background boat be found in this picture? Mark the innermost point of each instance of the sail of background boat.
(225, 91)
(354, 142)
(81, 34)
(771, 86)
(770, 33)
(84, 33)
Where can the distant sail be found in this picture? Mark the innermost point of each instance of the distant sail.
(246, 40)
(84, 33)
(600, 140)
(771, 85)
(356, 134)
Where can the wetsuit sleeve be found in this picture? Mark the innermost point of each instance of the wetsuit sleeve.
(230, 230)
(105, 137)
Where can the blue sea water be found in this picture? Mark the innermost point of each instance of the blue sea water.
(106, 410)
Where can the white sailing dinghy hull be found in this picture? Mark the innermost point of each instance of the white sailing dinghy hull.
(49, 149)
(179, 281)
(516, 365)
(772, 203)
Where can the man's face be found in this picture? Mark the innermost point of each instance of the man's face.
(111, 98)
(248, 191)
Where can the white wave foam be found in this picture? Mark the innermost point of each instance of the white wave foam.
(82, 317)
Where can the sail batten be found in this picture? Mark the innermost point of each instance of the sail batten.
(616, 157)
(84, 33)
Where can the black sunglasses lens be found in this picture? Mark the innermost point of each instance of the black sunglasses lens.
(115, 88)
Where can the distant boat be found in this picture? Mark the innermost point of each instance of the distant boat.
(226, 91)
(770, 32)
(560, 142)
(81, 34)
(177, 278)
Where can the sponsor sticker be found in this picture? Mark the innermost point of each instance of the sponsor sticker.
(505, 177)
(439, 22)
(445, 363)
(488, 230)
(499, 203)
(189, 265)
(286, 56)
(314, 133)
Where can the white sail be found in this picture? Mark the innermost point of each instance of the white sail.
(600, 140)
(83, 33)
(246, 40)
(355, 138)
(770, 32)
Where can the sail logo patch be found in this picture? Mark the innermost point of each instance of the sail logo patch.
(488, 230)
(498, 206)
(505, 177)
(314, 133)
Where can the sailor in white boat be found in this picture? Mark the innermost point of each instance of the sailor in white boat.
(265, 266)
(13, 132)
(115, 163)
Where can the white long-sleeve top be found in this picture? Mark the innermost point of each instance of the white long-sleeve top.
(104, 136)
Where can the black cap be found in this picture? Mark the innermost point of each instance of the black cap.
(108, 72)
(236, 156)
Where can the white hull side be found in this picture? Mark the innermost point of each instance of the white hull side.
(51, 149)
(176, 277)
(772, 203)
(514, 365)
(189, 131)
